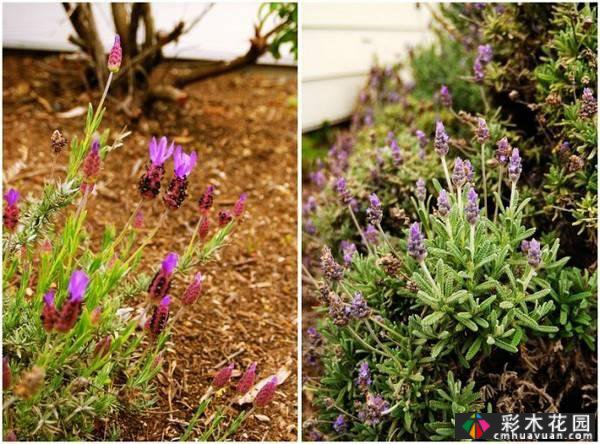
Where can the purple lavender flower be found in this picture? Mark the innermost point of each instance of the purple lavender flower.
(247, 380)
(484, 56)
(589, 105)
(78, 284)
(205, 202)
(71, 308)
(373, 409)
(514, 165)
(348, 250)
(364, 376)
(421, 191)
(115, 56)
(12, 196)
(472, 207)
(534, 255)
(193, 290)
(309, 227)
(396, 152)
(368, 119)
(422, 138)
(330, 268)
(458, 174)
(340, 425)
(525, 246)
(310, 206)
(374, 212)
(183, 163)
(484, 53)
(440, 142)
(371, 234)
(10, 216)
(159, 152)
(443, 203)
(49, 314)
(342, 191)
(162, 279)
(224, 217)
(339, 312)
(503, 151)
(149, 184)
(312, 333)
(238, 208)
(445, 96)
(223, 376)
(359, 309)
(468, 171)
(482, 134)
(318, 179)
(416, 243)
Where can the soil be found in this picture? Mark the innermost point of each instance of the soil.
(243, 126)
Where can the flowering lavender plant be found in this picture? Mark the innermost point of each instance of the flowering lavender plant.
(73, 338)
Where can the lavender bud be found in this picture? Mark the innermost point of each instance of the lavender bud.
(364, 376)
(266, 394)
(416, 243)
(421, 138)
(340, 425)
(482, 134)
(472, 207)
(514, 166)
(440, 142)
(478, 70)
(534, 255)
(343, 192)
(396, 152)
(421, 191)
(223, 376)
(468, 171)
(443, 203)
(525, 246)
(330, 268)
(247, 380)
(371, 234)
(374, 212)
(372, 410)
(339, 312)
(58, 141)
(115, 56)
(348, 250)
(484, 53)
(458, 174)
(503, 151)
(589, 105)
(359, 309)
(445, 96)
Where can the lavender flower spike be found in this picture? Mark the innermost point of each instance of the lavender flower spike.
(330, 268)
(373, 409)
(342, 191)
(184, 163)
(440, 142)
(503, 151)
(445, 96)
(78, 284)
(159, 152)
(458, 174)
(359, 309)
(421, 138)
(472, 207)
(374, 211)
(482, 134)
(115, 56)
(416, 243)
(421, 191)
(484, 53)
(157, 323)
(371, 234)
(589, 105)
(534, 255)
(348, 250)
(443, 203)
(340, 425)
(364, 376)
(514, 166)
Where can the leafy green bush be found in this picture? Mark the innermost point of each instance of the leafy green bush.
(406, 308)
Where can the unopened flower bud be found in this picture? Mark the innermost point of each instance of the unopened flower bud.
(247, 379)
(223, 376)
(266, 394)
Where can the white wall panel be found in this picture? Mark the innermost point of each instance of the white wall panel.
(340, 42)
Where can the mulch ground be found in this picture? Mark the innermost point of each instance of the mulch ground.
(243, 126)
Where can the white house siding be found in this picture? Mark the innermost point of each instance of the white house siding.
(222, 35)
(340, 41)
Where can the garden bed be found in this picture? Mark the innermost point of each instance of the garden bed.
(243, 126)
